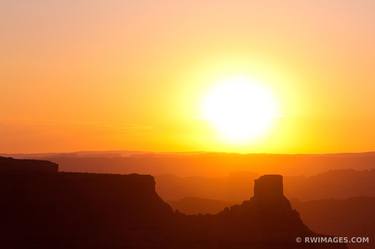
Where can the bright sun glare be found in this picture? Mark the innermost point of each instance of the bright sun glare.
(240, 109)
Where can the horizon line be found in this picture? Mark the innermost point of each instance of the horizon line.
(182, 153)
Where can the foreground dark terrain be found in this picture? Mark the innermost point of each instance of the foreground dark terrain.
(43, 208)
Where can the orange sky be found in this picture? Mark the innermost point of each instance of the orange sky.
(104, 75)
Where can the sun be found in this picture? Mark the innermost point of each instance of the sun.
(240, 109)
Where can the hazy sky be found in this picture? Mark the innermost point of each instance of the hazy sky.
(103, 75)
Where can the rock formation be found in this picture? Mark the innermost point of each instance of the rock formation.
(10, 165)
(95, 211)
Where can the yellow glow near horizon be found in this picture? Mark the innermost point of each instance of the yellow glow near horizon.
(240, 109)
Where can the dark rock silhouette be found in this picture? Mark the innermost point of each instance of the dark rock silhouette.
(266, 218)
(78, 210)
(269, 188)
(11, 165)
